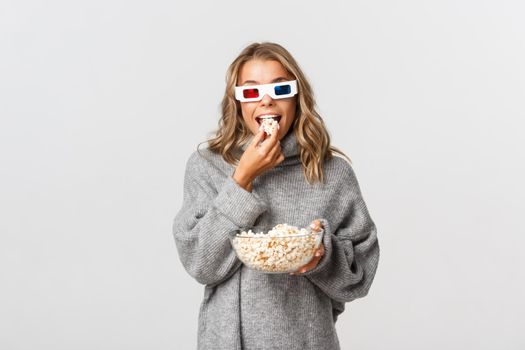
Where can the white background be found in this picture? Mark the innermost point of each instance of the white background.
(102, 102)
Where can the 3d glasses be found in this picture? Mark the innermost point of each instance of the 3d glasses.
(249, 93)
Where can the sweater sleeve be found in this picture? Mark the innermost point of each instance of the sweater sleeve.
(201, 226)
(348, 266)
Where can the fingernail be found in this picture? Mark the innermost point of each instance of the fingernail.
(261, 128)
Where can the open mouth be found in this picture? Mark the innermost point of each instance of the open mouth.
(259, 120)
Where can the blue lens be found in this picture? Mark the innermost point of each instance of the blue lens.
(283, 89)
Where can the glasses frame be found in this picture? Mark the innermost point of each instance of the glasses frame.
(265, 89)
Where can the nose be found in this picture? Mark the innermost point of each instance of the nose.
(267, 100)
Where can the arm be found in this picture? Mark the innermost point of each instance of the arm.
(348, 267)
(201, 226)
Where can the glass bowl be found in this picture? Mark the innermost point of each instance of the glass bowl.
(274, 251)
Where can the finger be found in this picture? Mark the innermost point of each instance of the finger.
(271, 141)
(280, 158)
(275, 153)
(315, 222)
(258, 138)
(316, 225)
(310, 265)
(300, 270)
(272, 154)
(320, 251)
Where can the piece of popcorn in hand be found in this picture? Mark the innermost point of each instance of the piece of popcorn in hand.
(270, 125)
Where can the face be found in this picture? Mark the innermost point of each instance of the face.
(256, 72)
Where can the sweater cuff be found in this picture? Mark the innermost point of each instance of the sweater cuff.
(239, 205)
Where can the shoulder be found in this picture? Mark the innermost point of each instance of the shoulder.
(343, 170)
(196, 162)
(203, 163)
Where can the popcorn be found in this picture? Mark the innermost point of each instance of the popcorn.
(270, 125)
(284, 248)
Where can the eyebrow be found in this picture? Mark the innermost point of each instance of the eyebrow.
(276, 80)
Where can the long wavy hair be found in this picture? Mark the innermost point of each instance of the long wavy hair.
(309, 128)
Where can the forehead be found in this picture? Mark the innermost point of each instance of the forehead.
(263, 72)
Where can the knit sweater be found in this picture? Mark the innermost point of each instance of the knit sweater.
(245, 309)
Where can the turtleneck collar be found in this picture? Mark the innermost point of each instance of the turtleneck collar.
(289, 147)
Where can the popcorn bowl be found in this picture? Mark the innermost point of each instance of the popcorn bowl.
(281, 248)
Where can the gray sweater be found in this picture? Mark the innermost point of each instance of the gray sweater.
(243, 309)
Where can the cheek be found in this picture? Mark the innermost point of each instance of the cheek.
(244, 113)
(247, 110)
(247, 114)
(291, 109)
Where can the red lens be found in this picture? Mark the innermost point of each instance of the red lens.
(250, 93)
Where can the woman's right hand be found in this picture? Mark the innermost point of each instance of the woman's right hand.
(257, 159)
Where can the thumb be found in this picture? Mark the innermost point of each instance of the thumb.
(316, 225)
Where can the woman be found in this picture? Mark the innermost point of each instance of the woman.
(246, 178)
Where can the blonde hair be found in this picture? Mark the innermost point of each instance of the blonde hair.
(309, 128)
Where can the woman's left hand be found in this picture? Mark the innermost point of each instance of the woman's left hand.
(318, 254)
